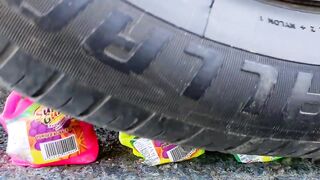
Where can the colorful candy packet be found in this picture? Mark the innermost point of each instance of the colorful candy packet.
(39, 136)
(157, 152)
(242, 158)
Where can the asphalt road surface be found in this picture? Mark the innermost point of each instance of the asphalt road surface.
(117, 162)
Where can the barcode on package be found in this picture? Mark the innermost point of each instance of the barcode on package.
(180, 153)
(59, 148)
(146, 148)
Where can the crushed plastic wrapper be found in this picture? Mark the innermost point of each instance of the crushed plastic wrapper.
(157, 152)
(39, 136)
(242, 158)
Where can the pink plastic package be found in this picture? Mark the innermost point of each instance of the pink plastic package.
(39, 136)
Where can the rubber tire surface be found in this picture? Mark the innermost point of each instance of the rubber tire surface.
(111, 64)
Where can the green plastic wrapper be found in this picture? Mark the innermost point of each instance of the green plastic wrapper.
(242, 158)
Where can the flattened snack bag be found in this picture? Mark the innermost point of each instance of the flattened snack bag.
(157, 152)
(242, 158)
(39, 136)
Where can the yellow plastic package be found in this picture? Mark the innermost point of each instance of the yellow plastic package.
(157, 152)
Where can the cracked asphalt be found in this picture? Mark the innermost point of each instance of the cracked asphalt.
(117, 162)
